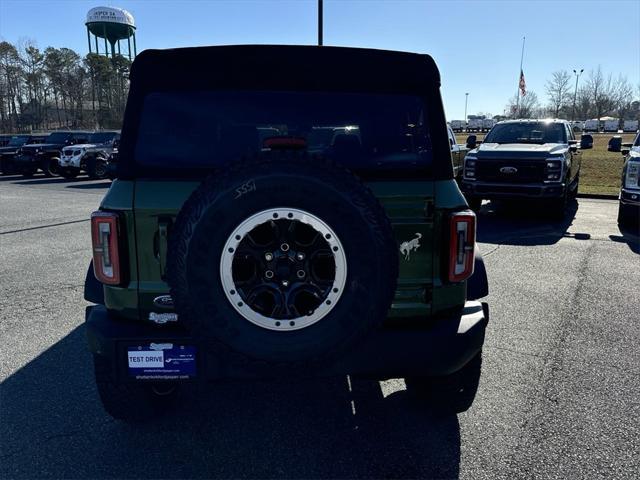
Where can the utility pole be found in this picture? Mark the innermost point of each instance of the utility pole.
(466, 99)
(320, 21)
(575, 93)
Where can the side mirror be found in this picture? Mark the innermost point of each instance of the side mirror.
(586, 141)
(116, 143)
(615, 144)
(573, 145)
(472, 141)
(625, 152)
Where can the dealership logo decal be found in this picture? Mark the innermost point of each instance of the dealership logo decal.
(412, 245)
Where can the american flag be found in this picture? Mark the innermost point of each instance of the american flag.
(522, 84)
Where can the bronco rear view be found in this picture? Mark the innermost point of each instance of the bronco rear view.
(284, 211)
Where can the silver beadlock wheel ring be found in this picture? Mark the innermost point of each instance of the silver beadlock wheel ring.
(285, 261)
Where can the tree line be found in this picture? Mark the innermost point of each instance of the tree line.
(598, 95)
(58, 88)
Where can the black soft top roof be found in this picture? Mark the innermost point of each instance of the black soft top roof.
(284, 67)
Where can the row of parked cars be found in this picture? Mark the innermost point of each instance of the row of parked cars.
(538, 160)
(67, 153)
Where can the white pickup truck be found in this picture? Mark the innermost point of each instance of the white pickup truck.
(474, 125)
(458, 125)
(611, 125)
(591, 125)
(630, 126)
(487, 124)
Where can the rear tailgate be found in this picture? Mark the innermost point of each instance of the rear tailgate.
(158, 202)
(156, 205)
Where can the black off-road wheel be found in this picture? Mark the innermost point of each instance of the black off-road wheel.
(97, 167)
(50, 167)
(132, 402)
(282, 262)
(449, 394)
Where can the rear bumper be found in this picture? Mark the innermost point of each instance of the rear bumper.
(443, 347)
(507, 190)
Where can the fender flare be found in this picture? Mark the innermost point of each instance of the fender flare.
(478, 284)
(93, 289)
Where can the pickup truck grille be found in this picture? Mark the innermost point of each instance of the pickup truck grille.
(528, 171)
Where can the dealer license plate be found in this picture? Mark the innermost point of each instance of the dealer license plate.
(162, 361)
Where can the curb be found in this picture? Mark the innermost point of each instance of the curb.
(598, 196)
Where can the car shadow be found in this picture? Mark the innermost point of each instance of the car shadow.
(524, 223)
(629, 236)
(45, 181)
(52, 425)
(91, 186)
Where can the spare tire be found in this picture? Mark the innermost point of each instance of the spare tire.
(284, 260)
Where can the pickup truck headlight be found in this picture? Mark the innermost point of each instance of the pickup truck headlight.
(553, 170)
(470, 168)
(631, 175)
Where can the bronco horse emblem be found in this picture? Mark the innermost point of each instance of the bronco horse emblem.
(407, 247)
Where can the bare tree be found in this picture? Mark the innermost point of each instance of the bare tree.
(558, 90)
(10, 72)
(601, 91)
(527, 107)
(583, 104)
(623, 97)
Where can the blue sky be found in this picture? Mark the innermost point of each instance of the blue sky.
(476, 44)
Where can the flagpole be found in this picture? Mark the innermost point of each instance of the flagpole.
(519, 76)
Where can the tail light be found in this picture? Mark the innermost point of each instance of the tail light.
(461, 245)
(104, 238)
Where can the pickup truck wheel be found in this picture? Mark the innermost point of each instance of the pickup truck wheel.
(132, 402)
(576, 186)
(50, 167)
(282, 262)
(97, 168)
(449, 394)
(628, 217)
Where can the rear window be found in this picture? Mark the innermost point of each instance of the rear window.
(209, 128)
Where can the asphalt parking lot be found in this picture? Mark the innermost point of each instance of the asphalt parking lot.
(559, 395)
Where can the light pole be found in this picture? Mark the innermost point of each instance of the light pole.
(320, 21)
(466, 99)
(575, 93)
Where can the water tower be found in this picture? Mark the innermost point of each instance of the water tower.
(113, 25)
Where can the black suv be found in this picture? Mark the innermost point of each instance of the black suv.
(44, 156)
(535, 159)
(7, 166)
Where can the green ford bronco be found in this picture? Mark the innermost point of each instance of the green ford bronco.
(284, 211)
